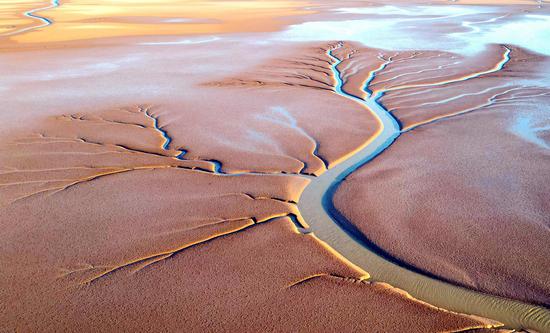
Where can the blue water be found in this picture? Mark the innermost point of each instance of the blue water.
(30, 13)
(525, 127)
(461, 29)
(390, 126)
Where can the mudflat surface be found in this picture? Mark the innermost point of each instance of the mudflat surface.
(139, 212)
(463, 197)
(152, 160)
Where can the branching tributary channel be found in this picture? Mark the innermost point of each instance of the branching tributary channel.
(317, 208)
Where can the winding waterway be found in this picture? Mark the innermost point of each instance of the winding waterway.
(317, 208)
(44, 21)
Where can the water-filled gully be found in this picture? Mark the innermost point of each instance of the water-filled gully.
(317, 208)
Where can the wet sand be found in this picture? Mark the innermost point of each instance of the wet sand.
(317, 206)
(426, 223)
(474, 179)
(132, 209)
(151, 181)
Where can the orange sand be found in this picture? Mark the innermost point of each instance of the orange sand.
(77, 20)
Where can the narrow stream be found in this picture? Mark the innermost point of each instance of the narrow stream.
(327, 223)
(33, 14)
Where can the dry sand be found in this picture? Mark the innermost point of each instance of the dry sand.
(149, 187)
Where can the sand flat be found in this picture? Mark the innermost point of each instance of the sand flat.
(495, 247)
(153, 156)
(111, 210)
(468, 173)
